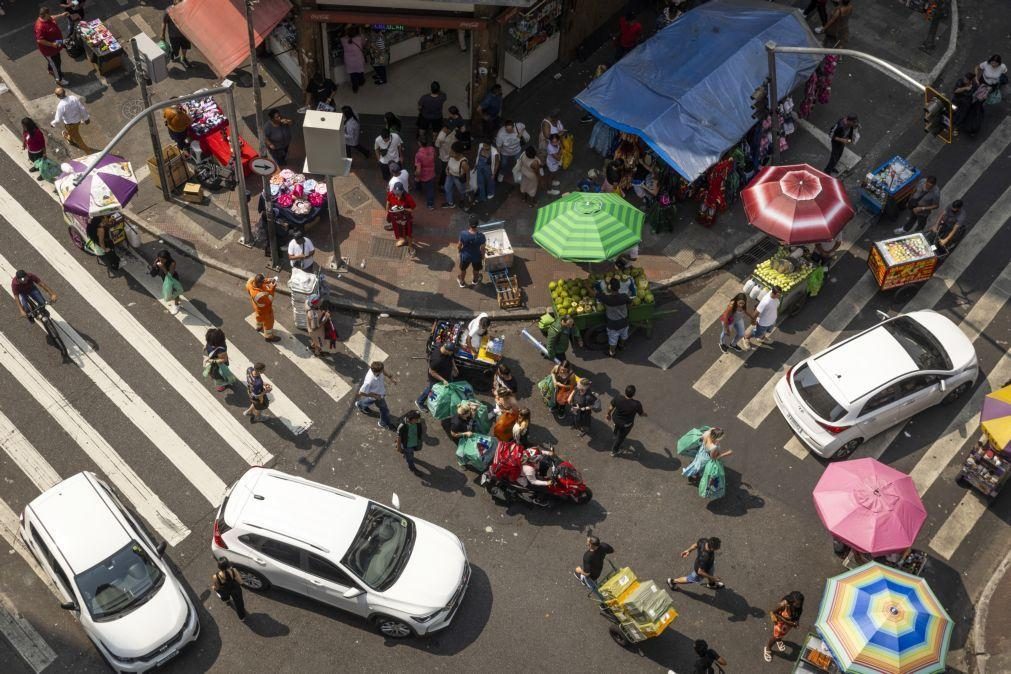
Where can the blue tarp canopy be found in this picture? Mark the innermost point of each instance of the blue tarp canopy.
(687, 90)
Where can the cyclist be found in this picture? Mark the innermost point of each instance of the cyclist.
(25, 285)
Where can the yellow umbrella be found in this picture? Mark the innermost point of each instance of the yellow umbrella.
(995, 418)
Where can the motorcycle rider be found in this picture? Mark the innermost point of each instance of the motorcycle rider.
(532, 473)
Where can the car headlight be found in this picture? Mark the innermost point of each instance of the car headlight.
(425, 618)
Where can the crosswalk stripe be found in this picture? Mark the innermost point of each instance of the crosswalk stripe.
(132, 405)
(138, 336)
(315, 368)
(25, 639)
(147, 503)
(9, 524)
(23, 453)
(691, 330)
(282, 407)
(958, 525)
(365, 348)
(763, 403)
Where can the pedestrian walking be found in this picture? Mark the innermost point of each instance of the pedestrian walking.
(388, 149)
(353, 49)
(457, 177)
(178, 43)
(588, 573)
(261, 294)
(71, 113)
(486, 166)
(521, 428)
(561, 333)
(430, 110)
(504, 379)
(969, 109)
(317, 320)
(227, 584)
(616, 303)
(924, 200)
(706, 658)
(165, 267)
(821, 6)
(411, 437)
(424, 169)
(257, 390)
(703, 569)
(845, 132)
(765, 321)
(563, 383)
(301, 251)
(277, 134)
(353, 133)
(441, 369)
(785, 616)
(622, 414)
(507, 414)
(734, 323)
(491, 110)
(319, 94)
(837, 28)
(583, 402)
(708, 449)
(400, 214)
(373, 392)
(454, 120)
(178, 123)
(398, 174)
(33, 141)
(471, 245)
(629, 35)
(216, 360)
(949, 228)
(531, 170)
(992, 75)
(510, 140)
(379, 57)
(49, 40)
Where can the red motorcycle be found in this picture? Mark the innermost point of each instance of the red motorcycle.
(501, 478)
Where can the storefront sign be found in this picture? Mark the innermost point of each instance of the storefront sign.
(408, 20)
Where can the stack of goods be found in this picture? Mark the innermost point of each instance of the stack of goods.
(905, 249)
(98, 37)
(302, 286)
(443, 399)
(779, 270)
(819, 86)
(913, 562)
(296, 192)
(286, 33)
(888, 177)
(578, 296)
(476, 452)
(491, 349)
(642, 608)
(985, 469)
(206, 116)
(447, 332)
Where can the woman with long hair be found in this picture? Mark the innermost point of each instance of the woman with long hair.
(785, 617)
(734, 321)
(709, 450)
(34, 142)
(353, 133)
(216, 360)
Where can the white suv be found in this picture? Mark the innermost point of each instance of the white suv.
(836, 399)
(404, 575)
(110, 574)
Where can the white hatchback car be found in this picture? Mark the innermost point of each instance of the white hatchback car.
(404, 575)
(110, 573)
(836, 399)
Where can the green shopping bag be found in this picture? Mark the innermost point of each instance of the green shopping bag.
(48, 169)
(443, 398)
(713, 484)
(547, 388)
(482, 422)
(476, 452)
(690, 443)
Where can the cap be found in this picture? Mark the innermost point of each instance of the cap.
(21, 274)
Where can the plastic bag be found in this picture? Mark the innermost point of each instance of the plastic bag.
(547, 388)
(517, 172)
(443, 398)
(476, 451)
(47, 168)
(815, 281)
(482, 420)
(713, 484)
(690, 443)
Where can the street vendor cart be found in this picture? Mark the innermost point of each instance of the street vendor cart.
(815, 657)
(498, 259)
(884, 189)
(101, 47)
(638, 609)
(577, 298)
(97, 201)
(902, 264)
(791, 272)
(476, 368)
(988, 463)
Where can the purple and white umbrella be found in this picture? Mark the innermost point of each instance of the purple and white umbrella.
(105, 190)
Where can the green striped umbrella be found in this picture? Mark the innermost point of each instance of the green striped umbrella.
(586, 227)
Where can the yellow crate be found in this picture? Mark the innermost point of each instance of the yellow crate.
(618, 584)
(656, 627)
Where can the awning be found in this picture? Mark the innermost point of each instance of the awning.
(365, 18)
(218, 28)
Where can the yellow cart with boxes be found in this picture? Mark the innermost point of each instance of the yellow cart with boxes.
(639, 609)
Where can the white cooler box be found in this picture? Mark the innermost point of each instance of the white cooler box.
(302, 285)
(498, 250)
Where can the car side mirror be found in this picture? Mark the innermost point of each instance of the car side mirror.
(352, 592)
(68, 606)
(882, 315)
(395, 501)
(161, 548)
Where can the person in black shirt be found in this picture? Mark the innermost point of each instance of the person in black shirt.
(842, 134)
(320, 90)
(593, 563)
(707, 658)
(622, 414)
(616, 303)
(705, 561)
(441, 369)
(581, 402)
(461, 425)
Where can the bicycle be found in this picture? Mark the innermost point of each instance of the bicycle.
(38, 311)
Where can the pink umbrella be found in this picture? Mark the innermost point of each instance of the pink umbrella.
(797, 204)
(869, 506)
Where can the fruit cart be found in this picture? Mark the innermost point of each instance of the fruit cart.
(885, 188)
(478, 369)
(988, 464)
(903, 263)
(576, 297)
(639, 609)
(787, 271)
(815, 657)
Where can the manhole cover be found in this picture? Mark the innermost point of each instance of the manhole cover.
(760, 251)
(355, 198)
(387, 248)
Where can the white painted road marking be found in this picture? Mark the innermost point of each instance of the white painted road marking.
(33, 464)
(692, 330)
(315, 368)
(365, 348)
(147, 503)
(29, 644)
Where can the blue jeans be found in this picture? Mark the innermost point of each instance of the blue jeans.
(428, 187)
(485, 182)
(506, 164)
(453, 185)
(36, 295)
(384, 410)
(761, 331)
(739, 328)
(409, 456)
(423, 398)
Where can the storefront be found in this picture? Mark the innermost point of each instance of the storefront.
(532, 38)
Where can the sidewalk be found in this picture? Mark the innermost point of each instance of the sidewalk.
(990, 645)
(381, 276)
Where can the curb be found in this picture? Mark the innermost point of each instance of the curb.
(977, 635)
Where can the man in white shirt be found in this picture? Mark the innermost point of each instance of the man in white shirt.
(388, 148)
(510, 140)
(301, 251)
(398, 175)
(768, 312)
(373, 392)
(71, 112)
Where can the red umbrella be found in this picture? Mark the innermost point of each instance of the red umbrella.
(797, 204)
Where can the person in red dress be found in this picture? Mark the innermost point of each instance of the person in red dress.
(400, 213)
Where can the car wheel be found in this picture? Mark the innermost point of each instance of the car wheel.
(956, 394)
(847, 449)
(394, 628)
(251, 580)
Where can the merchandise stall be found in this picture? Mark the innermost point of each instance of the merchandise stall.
(97, 201)
(498, 258)
(283, 45)
(532, 41)
(639, 609)
(402, 42)
(298, 200)
(885, 188)
(815, 657)
(576, 297)
(476, 368)
(211, 130)
(902, 262)
(988, 464)
(101, 46)
(791, 270)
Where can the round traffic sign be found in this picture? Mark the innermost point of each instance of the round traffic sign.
(263, 166)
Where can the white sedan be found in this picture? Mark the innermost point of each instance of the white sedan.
(854, 390)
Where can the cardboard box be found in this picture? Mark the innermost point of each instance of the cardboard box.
(617, 584)
(177, 172)
(193, 193)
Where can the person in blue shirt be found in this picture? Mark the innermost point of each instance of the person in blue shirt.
(471, 247)
(491, 110)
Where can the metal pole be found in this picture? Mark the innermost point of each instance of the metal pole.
(773, 99)
(882, 65)
(336, 262)
(152, 128)
(240, 176)
(268, 212)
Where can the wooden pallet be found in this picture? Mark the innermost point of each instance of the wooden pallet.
(507, 289)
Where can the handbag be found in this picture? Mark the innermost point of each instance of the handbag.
(517, 172)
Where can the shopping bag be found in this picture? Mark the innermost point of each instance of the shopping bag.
(690, 443)
(476, 452)
(47, 168)
(517, 171)
(443, 398)
(815, 281)
(171, 288)
(482, 420)
(566, 154)
(547, 388)
(545, 322)
(713, 484)
(994, 97)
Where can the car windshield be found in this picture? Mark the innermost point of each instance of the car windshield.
(125, 580)
(382, 547)
(815, 396)
(922, 347)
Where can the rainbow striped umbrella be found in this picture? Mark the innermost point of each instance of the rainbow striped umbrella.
(879, 620)
(587, 227)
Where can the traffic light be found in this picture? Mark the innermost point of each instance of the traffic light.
(760, 101)
(937, 113)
